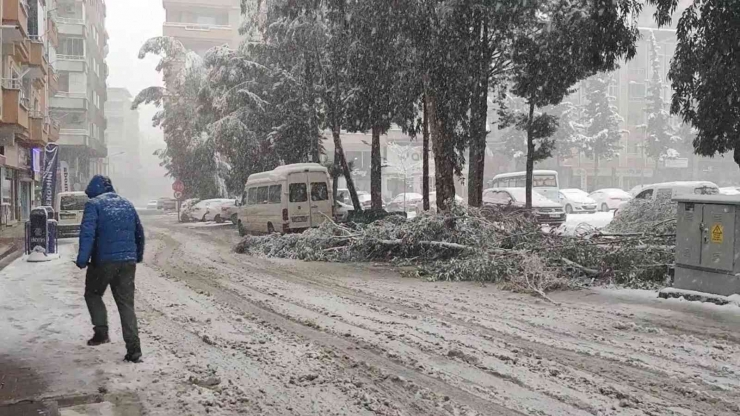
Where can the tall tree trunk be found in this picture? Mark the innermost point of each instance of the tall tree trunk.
(444, 165)
(425, 154)
(479, 115)
(376, 187)
(530, 156)
(313, 127)
(595, 184)
(339, 154)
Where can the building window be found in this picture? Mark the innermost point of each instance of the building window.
(635, 115)
(636, 91)
(72, 46)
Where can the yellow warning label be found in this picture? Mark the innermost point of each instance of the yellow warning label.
(718, 233)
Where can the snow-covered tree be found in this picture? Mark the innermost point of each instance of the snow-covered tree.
(188, 142)
(564, 43)
(602, 122)
(660, 137)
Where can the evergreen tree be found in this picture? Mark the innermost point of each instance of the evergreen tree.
(602, 121)
(660, 136)
(704, 72)
(565, 43)
(185, 131)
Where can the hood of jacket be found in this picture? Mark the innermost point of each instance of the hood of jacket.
(99, 185)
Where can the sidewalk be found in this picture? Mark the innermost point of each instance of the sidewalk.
(11, 239)
(45, 366)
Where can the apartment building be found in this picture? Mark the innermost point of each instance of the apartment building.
(79, 104)
(28, 80)
(203, 24)
(124, 144)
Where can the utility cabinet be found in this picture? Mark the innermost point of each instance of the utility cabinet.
(707, 249)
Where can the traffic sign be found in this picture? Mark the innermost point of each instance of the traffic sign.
(178, 186)
(178, 195)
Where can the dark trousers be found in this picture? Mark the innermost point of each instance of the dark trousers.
(120, 277)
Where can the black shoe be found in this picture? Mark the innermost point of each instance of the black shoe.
(133, 356)
(100, 337)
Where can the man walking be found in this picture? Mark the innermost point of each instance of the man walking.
(111, 243)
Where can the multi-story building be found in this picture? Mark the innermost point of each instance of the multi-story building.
(28, 80)
(203, 24)
(124, 144)
(79, 105)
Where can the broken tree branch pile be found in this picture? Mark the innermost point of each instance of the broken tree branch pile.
(482, 245)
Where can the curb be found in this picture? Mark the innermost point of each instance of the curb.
(13, 252)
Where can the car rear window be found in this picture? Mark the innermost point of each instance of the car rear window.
(298, 192)
(319, 191)
(73, 203)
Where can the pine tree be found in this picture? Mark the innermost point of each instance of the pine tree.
(602, 121)
(660, 136)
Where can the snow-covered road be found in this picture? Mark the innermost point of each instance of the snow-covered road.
(229, 334)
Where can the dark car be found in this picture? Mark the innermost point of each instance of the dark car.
(547, 211)
(167, 204)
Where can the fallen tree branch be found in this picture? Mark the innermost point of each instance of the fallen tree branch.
(590, 272)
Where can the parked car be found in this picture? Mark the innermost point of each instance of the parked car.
(290, 198)
(344, 197)
(70, 207)
(433, 202)
(229, 211)
(342, 210)
(547, 211)
(206, 210)
(153, 204)
(167, 204)
(404, 202)
(673, 189)
(185, 207)
(577, 201)
(732, 190)
(610, 198)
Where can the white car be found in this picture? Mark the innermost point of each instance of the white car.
(207, 210)
(433, 202)
(610, 198)
(229, 211)
(577, 201)
(732, 190)
(344, 197)
(404, 202)
(152, 205)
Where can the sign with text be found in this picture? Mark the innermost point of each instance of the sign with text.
(49, 177)
(66, 187)
(178, 186)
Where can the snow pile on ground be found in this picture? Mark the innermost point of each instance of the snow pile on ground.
(473, 245)
(645, 216)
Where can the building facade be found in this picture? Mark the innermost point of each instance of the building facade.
(203, 24)
(79, 105)
(29, 79)
(124, 144)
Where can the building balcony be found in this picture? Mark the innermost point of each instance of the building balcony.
(81, 138)
(211, 4)
(38, 131)
(15, 17)
(15, 105)
(71, 101)
(38, 61)
(53, 32)
(71, 63)
(211, 33)
(71, 26)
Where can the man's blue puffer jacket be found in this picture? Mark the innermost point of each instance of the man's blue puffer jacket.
(111, 231)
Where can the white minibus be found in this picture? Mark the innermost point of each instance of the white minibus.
(286, 199)
(544, 182)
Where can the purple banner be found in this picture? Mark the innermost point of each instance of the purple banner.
(49, 178)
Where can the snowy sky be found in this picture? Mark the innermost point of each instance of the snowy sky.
(129, 24)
